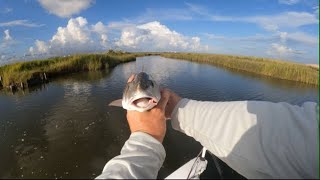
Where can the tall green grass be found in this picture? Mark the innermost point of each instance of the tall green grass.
(23, 71)
(268, 67)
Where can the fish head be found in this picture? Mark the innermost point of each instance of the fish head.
(141, 94)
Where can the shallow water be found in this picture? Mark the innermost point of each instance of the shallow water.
(65, 129)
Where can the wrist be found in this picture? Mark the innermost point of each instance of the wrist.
(177, 105)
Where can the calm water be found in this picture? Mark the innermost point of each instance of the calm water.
(66, 130)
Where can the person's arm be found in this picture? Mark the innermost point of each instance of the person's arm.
(143, 154)
(257, 139)
(141, 158)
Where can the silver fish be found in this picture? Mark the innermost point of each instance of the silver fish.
(141, 94)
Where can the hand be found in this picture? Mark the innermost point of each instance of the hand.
(172, 102)
(152, 122)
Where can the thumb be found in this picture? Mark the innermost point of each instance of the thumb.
(165, 94)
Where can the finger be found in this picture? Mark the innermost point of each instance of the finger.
(131, 78)
(164, 99)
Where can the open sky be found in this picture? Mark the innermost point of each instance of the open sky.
(283, 29)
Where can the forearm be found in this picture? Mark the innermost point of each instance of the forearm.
(141, 158)
(258, 139)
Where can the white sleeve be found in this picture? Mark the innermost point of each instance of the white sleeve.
(141, 158)
(257, 139)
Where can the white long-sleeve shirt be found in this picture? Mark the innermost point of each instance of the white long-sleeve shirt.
(257, 139)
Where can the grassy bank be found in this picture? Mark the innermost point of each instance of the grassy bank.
(25, 72)
(268, 67)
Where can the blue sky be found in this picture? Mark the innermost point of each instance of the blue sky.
(282, 29)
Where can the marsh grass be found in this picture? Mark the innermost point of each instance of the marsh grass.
(264, 66)
(16, 73)
(13, 74)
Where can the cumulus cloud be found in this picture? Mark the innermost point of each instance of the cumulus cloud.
(154, 36)
(65, 8)
(76, 37)
(23, 22)
(99, 28)
(40, 47)
(282, 50)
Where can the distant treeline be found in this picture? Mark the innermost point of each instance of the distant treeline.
(264, 66)
(24, 74)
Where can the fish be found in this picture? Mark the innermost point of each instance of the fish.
(141, 94)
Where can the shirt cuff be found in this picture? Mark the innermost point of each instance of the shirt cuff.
(149, 142)
(175, 120)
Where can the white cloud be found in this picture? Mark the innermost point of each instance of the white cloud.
(104, 40)
(7, 40)
(76, 31)
(76, 37)
(41, 47)
(242, 39)
(282, 50)
(65, 8)
(288, 2)
(154, 36)
(213, 36)
(23, 22)
(273, 23)
(6, 45)
(284, 20)
(100, 28)
(7, 36)
(283, 36)
(119, 25)
(300, 37)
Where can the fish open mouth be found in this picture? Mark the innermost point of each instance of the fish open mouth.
(144, 102)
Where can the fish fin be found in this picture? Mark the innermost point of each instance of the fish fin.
(117, 103)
